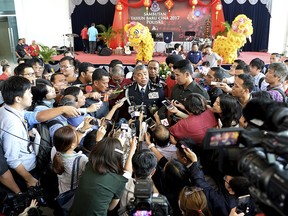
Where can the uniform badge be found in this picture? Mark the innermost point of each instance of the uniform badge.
(153, 95)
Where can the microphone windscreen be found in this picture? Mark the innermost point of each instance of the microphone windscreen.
(88, 89)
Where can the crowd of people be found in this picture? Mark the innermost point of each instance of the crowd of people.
(95, 120)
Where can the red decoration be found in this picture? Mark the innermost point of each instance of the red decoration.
(147, 4)
(169, 4)
(193, 3)
(218, 8)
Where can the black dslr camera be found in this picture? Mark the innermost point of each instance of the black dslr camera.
(13, 204)
(144, 203)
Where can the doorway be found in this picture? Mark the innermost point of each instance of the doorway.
(9, 38)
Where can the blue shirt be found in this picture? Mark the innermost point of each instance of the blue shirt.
(92, 32)
(194, 57)
(17, 149)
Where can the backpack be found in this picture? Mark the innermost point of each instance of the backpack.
(44, 156)
(48, 178)
(284, 96)
(260, 82)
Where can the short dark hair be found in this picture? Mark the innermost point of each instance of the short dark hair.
(143, 162)
(195, 104)
(277, 55)
(172, 59)
(72, 90)
(19, 70)
(13, 87)
(83, 67)
(248, 81)
(52, 78)
(184, 66)
(98, 74)
(245, 68)
(177, 45)
(161, 135)
(71, 60)
(115, 62)
(218, 73)
(34, 61)
(257, 62)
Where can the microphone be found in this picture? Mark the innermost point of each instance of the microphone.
(80, 85)
(88, 89)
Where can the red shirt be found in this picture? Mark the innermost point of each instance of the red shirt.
(169, 86)
(195, 126)
(3, 76)
(125, 82)
(34, 51)
(84, 33)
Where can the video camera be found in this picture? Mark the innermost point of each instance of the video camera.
(260, 155)
(13, 204)
(145, 203)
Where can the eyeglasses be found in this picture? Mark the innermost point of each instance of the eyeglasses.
(29, 74)
(66, 67)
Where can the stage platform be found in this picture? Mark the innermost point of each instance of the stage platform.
(130, 60)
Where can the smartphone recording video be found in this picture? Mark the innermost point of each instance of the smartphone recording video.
(150, 122)
(167, 104)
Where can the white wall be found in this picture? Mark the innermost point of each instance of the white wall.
(278, 37)
(43, 20)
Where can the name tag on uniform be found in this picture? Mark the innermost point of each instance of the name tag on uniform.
(153, 95)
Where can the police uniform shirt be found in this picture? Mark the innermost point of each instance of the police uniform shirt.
(180, 94)
(194, 57)
(154, 94)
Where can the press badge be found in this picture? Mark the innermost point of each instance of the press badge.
(153, 95)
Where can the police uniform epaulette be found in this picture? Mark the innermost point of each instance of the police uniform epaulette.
(127, 86)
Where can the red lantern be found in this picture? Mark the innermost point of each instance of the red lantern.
(218, 8)
(119, 8)
(147, 4)
(169, 4)
(193, 3)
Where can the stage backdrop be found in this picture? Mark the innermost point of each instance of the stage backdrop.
(179, 20)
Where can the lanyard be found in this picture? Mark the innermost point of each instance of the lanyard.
(24, 123)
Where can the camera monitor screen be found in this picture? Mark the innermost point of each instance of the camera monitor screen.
(221, 138)
(142, 213)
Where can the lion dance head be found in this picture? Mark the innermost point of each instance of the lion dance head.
(240, 30)
(141, 39)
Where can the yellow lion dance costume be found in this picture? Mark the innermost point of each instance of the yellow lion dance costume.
(227, 47)
(141, 39)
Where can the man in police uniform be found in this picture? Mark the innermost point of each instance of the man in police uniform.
(195, 56)
(144, 91)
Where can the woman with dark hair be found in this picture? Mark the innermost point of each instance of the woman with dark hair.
(43, 95)
(228, 109)
(198, 120)
(65, 141)
(193, 202)
(102, 183)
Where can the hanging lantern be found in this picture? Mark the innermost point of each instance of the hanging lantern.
(193, 3)
(147, 4)
(119, 8)
(169, 4)
(218, 8)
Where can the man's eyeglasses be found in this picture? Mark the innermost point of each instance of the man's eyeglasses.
(66, 67)
(29, 74)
